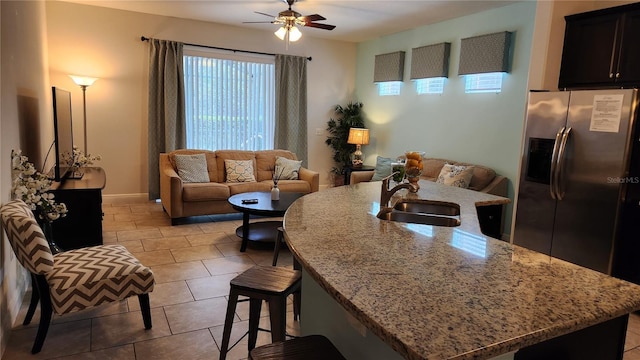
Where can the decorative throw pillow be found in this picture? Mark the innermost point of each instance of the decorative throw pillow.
(287, 169)
(239, 171)
(455, 175)
(192, 168)
(383, 168)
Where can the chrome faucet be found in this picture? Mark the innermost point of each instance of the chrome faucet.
(386, 194)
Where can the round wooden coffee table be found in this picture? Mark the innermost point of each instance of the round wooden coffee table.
(262, 231)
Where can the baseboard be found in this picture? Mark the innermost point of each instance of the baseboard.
(125, 198)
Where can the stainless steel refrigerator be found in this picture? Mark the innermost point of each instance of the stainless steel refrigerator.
(579, 179)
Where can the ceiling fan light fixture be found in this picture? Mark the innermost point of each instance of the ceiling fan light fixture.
(281, 33)
(294, 34)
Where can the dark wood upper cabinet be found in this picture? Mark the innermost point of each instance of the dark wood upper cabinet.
(602, 48)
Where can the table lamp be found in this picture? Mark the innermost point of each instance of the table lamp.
(358, 137)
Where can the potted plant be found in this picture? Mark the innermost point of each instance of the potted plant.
(346, 117)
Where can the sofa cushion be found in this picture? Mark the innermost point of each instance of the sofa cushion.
(222, 155)
(205, 191)
(482, 176)
(238, 171)
(192, 168)
(455, 175)
(286, 169)
(431, 167)
(300, 186)
(212, 167)
(265, 162)
(383, 168)
(239, 188)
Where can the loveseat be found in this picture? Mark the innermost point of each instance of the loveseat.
(181, 199)
(484, 179)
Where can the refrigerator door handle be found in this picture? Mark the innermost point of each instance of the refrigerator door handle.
(554, 161)
(560, 170)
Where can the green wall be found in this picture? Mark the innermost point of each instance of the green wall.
(484, 129)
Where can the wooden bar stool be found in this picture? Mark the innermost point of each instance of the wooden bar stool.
(270, 283)
(297, 300)
(312, 347)
(278, 245)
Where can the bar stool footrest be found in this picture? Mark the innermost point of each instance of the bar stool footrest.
(312, 347)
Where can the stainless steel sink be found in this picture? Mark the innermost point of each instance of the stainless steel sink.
(418, 218)
(428, 207)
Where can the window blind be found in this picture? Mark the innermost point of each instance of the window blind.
(230, 104)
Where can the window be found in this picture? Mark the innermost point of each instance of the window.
(430, 86)
(482, 83)
(389, 88)
(230, 102)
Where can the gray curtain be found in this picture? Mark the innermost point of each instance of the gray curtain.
(291, 105)
(166, 105)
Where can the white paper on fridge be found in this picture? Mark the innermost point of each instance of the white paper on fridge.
(605, 116)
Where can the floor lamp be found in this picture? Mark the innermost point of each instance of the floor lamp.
(84, 82)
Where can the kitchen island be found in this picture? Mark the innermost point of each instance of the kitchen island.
(430, 292)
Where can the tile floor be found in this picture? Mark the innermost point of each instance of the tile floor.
(193, 264)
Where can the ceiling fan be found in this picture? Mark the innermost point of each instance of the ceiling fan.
(289, 19)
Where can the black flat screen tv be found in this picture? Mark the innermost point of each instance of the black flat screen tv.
(63, 129)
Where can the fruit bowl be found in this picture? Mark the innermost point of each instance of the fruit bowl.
(413, 166)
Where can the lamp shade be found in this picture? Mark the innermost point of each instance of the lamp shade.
(358, 136)
(281, 33)
(294, 34)
(83, 80)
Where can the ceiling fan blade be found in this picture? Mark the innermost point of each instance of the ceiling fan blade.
(258, 22)
(314, 17)
(261, 13)
(320, 26)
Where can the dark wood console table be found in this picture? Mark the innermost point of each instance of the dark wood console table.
(82, 226)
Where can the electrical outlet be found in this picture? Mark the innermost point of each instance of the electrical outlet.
(319, 131)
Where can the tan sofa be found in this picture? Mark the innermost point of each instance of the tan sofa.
(180, 199)
(484, 179)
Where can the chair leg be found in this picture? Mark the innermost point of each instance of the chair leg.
(276, 247)
(255, 305)
(277, 316)
(297, 305)
(143, 299)
(228, 322)
(46, 311)
(35, 298)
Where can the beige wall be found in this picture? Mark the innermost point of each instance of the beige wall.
(105, 43)
(24, 124)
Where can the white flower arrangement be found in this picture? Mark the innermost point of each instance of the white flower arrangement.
(81, 160)
(32, 187)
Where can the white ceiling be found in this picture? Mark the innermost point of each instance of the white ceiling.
(355, 20)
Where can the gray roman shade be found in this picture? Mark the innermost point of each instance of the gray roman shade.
(485, 53)
(389, 67)
(430, 61)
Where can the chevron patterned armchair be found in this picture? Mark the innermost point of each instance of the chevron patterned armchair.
(75, 279)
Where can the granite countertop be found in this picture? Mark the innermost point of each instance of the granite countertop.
(440, 292)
